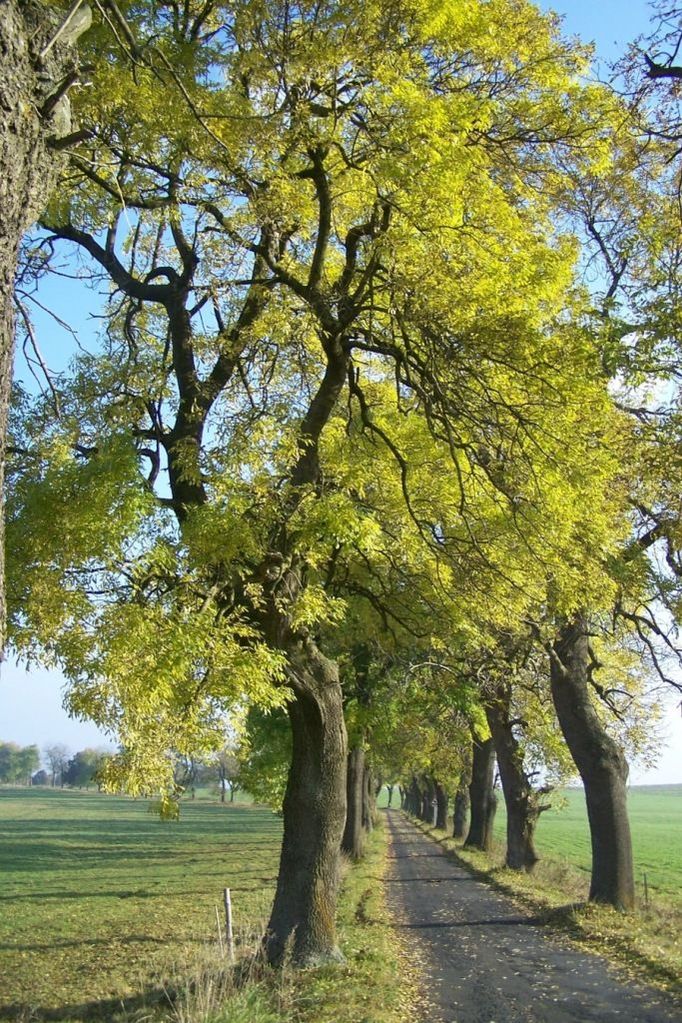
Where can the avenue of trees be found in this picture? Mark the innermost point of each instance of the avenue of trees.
(377, 448)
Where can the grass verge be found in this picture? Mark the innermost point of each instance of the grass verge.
(364, 990)
(647, 943)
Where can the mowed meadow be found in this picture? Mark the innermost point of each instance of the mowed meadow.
(655, 811)
(99, 896)
(105, 911)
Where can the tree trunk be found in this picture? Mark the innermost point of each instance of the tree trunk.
(460, 812)
(442, 807)
(414, 798)
(390, 794)
(353, 842)
(31, 114)
(368, 801)
(601, 764)
(314, 812)
(520, 799)
(428, 793)
(483, 799)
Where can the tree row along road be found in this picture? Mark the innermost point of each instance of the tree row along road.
(485, 961)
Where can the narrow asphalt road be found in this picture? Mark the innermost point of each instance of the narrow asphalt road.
(484, 961)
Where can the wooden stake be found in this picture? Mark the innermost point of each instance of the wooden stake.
(228, 923)
(646, 892)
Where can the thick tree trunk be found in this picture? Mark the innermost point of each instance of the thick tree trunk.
(414, 798)
(31, 114)
(461, 812)
(601, 764)
(442, 807)
(314, 812)
(353, 842)
(520, 799)
(428, 796)
(390, 794)
(482, 796)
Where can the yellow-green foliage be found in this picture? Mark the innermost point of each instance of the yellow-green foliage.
(392, 174)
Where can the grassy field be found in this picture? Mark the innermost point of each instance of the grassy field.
(102, 902)
(98, 894)
(656, 823)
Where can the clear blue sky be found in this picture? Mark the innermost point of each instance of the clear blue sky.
(30, 704)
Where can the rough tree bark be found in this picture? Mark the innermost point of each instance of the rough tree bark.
(314, 812)
(353, 842)
(428, 796)
(442, 807)
(461, 811)
(521, 801)
(35, 118)
(414, 798)
(601, 763)
(482, 795)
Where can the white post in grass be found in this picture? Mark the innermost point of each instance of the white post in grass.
(228, 923)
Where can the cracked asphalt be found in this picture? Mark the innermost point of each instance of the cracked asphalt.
(483, 960)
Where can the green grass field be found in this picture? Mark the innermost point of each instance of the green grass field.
(100, 900)
(99, 896)
(656, 823)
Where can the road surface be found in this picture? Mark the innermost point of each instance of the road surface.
(485, 961)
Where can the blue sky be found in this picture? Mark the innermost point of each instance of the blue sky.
(30, 703)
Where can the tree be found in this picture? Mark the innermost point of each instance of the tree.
(57, 758)
(334, 244)
(228, 767)
(82, 768)
(17, 763)
(482, 798)
(630, 220)
(38, 68)
(602, 767)
(518, 709)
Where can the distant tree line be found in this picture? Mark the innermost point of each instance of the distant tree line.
(20, 765)
(223, 769)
